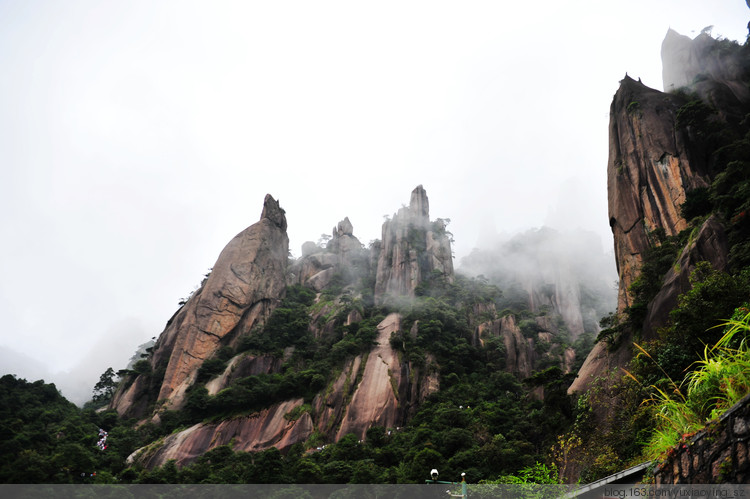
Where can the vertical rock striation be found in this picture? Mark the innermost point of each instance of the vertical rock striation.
(654, 161)
(649, 170)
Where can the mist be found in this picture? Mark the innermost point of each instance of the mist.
(566, 272)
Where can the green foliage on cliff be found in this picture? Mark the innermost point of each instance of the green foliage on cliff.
(720, 380)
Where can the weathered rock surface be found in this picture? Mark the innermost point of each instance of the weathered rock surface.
(246, 283)
(650, 168)
(257, 432)
(376, 389)
(329, 406)
(649, 171)
(412, 249)
(375, 400)
(652, 164)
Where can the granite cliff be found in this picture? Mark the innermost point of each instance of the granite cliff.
(660, 156)
(246, 283)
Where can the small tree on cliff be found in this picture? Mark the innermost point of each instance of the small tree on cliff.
(105, 388)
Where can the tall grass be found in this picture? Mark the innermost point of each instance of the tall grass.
(721, 378)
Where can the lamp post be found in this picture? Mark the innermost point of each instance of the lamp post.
(463, 495)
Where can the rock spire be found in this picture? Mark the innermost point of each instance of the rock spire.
(412, 250)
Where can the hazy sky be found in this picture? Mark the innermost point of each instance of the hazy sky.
(137, 138)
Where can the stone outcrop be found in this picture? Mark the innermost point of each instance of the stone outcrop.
(343, 255)
(375, 399)
(653, 163)
(376, 389)
(246, 283)
(412, 250)
(650, 169)
(257, 432)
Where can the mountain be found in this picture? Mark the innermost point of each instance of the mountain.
(661, 158)
(375, 364)
(276, 353)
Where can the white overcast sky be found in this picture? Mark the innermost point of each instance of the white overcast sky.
(138, 137)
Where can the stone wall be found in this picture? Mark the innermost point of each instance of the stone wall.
(718, 454)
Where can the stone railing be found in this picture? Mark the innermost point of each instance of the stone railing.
(718, 454)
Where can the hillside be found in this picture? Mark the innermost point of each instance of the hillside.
(349, 363)
(357, 339)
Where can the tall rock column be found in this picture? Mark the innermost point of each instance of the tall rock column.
(651, 167)
(412, 248)
(649, 171)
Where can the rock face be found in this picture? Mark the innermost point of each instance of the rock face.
(375, 400)
(261, 431)
(381, 390)
(651, 167)
(373, 389)
(649, 170)
(653, 163)
(246, 283)
(412, 250)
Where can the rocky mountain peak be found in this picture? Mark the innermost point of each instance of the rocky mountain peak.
(412, 250)
(344, 228)
(246, 283)
(272, 211)
(343, 255)
(651, 167)
(419, 205)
